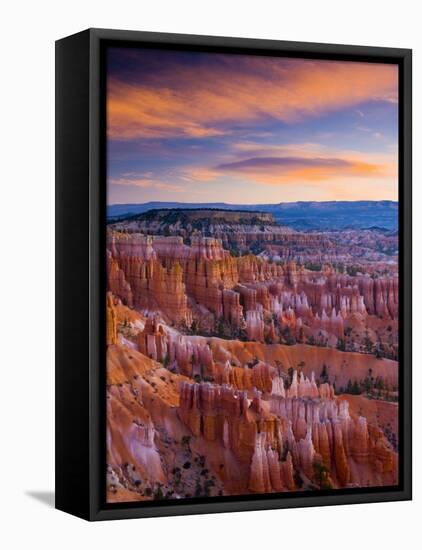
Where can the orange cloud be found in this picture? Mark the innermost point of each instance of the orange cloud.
(205, 101)
(281, 170)
(198, 174)
(297, 163)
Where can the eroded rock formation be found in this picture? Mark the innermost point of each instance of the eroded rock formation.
(231, 371)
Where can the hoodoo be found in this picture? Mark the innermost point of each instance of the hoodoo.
(236, 366)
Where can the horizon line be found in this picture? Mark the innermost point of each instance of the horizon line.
(253, 203)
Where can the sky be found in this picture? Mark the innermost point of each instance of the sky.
(211, 127)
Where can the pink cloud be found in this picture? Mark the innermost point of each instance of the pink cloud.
(206, 101)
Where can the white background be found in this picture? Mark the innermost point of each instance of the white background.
(29, 29)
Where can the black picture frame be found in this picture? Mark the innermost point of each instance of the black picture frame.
(80, 273)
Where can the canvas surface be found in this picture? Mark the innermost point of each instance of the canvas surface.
(252, 275)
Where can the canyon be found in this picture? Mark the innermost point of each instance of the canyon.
(247, 357)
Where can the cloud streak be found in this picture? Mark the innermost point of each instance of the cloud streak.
(286, 169)
(211, 100)
(135, 180)
(220, 127)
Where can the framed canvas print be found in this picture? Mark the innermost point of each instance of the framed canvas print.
(233, 274)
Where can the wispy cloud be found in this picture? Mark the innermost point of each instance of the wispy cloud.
(296, 163)
(286, 169)
(209, 101)
(221, 127)
(139, 180)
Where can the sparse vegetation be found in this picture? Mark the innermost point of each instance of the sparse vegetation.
(321, 475)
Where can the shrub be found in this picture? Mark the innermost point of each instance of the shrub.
(321, 475)
(186, 440)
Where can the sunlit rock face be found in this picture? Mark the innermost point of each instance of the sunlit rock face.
(202, 280)
(111, 321)
(245, 357)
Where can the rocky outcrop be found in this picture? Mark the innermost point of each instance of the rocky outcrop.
(190, 356)
(381, 296)
(151, 287)
(261, 376)
(111, 321)
(232, 310)
(219, 413)
(212, 358)
(254, 420)
(133, 245)
(116, 281)
(280, 435)
(152, 247)
(206, 281)
(152, 341)
(160, 273)
(255, 325)
(253, 269)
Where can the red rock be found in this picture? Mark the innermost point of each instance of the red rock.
(152, 341)
(111, 321)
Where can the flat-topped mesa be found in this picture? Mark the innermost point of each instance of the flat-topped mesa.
(193, 214)
(238, 229)
(186, 221)
(152, 341)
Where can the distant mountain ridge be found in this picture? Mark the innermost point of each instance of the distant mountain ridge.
(301, 215)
